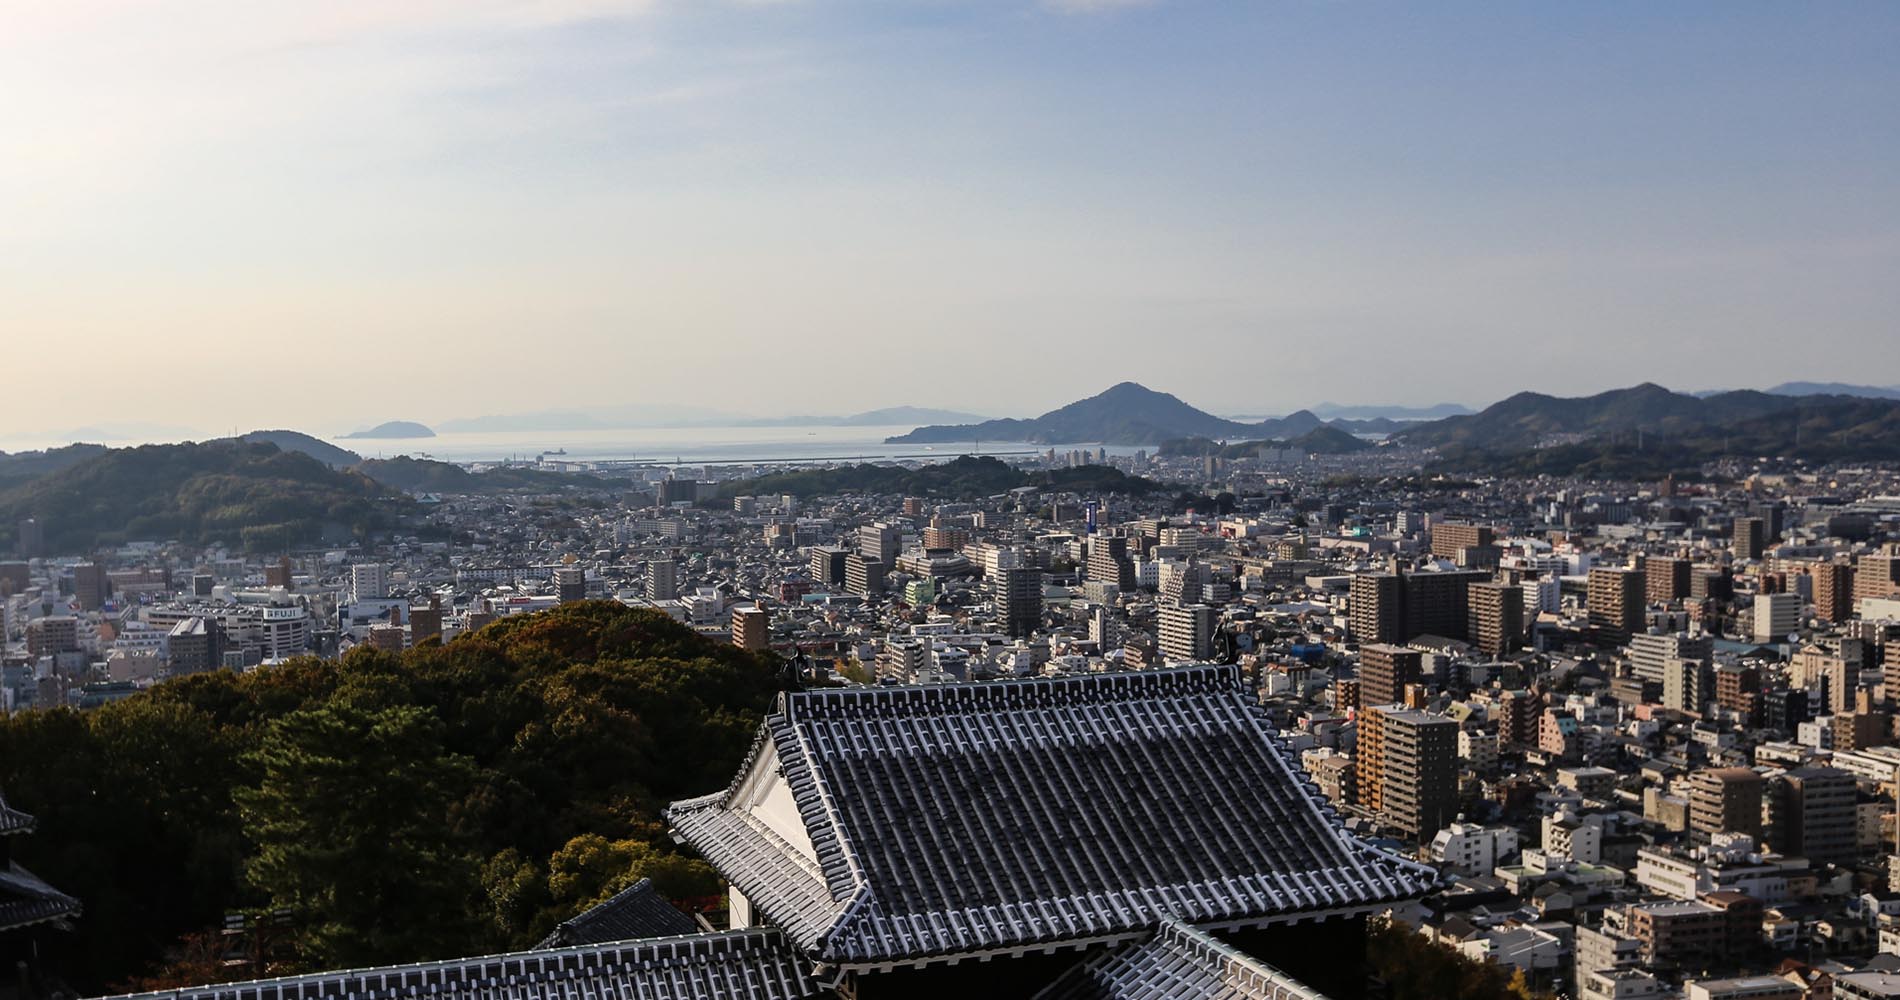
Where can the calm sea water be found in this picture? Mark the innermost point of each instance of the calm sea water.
(659, 444)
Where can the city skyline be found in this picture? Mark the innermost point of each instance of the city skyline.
(772, 198)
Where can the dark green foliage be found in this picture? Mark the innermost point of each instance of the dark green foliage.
(1318, 441)
(24, 465)
(421, 475)
(227, 492)
(297, 441)
(1125, 414)
(962, 478)
(451, 800)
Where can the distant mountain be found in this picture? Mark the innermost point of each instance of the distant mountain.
(1647, 429)
(24, 465)
(297, 441)
(1835, 389)
(421, 475)
(547, 420)
(1335, 411)
(394, 429)
(232, 492)
(965, 477)
(913, 415)
(1127, 414)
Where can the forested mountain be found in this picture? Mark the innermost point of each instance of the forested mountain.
(24, 465)
(421, 475)
(229, 491)
(297, 441)
(962, 478)
(451, 800)
(1125, 414)
(1325, 440)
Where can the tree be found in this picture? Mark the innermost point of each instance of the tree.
(349, 818)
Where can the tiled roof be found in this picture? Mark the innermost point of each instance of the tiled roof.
(737, 965)
(638, 911)
(1177, 963)
(12, 820)
(24, 900)
(964, 818)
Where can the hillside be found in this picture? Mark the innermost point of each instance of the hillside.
(962, 478)
(297, 441)
(24, 465)
(1125, 414)
(421, 475)
(1530, 419)
(231, 492)
(397, 429)
(1815, 429)
(446, 800)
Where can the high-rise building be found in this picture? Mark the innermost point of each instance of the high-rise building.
(1749, 538)
(1187, 633)
(202, 585)
(1384, 672)
(1615, 603)
(1651, 652)
(1497, 617)
(52, 635)
(1109, 562)
(570, 583)
(827, 566)
(1725, 800)
(751, 628)
(14, 578)
(864, 575)
(1016, 589)
(662, 580)
(1519, 713)
(1711, 583)
(89, 586)
(1408, 761)
(369, 581)
(1738, 689)
(31, 539)
(1784, 709)
(880, 542)
(1816, 815)
(1688, 685)
(1397, 608)
(1833, 591)
(1877, 575)
(1776, 616)
(913, 506)
(195, 645)
(1665, 579)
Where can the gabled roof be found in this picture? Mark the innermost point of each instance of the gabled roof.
(1177, 963)
(25, 900)
(638, 911)
(950, 820)
(736, 965)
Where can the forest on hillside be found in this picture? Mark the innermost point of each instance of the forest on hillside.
(451, 800)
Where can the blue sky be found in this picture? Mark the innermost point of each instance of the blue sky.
(434, 208)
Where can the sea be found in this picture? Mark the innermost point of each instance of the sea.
(658, 445)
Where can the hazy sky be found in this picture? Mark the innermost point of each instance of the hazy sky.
(250, 213)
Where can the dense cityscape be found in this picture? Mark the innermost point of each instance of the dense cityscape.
(1620, 739)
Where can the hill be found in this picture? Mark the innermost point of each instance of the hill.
(1835, 389)
(1125, 414)
(1334, 411)
(399, 429)
(24, 465)
(1639, 434)
(894, 415)
(297, 441)
(231, 492)
(962, 478)
(421, 475)
(447, 800)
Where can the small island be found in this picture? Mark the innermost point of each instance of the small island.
(394, 429)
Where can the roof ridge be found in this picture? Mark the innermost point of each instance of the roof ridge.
(1110, 686)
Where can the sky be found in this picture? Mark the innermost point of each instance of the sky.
(219, 213)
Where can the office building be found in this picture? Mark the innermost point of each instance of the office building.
(1187, 633)
(1452, 539)
(1725, 800)
(1109, 562)
(864, 575)
(1497, 617)
(880, 542)
(570, 583)
(1016, 589)
(30, 541)
(1877, 575)
(1650, 653)
(827, 566)
(52, 635)
(195, 645)
(426, 622)
(1711, 583)
(1615, 603)
(751, 628)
